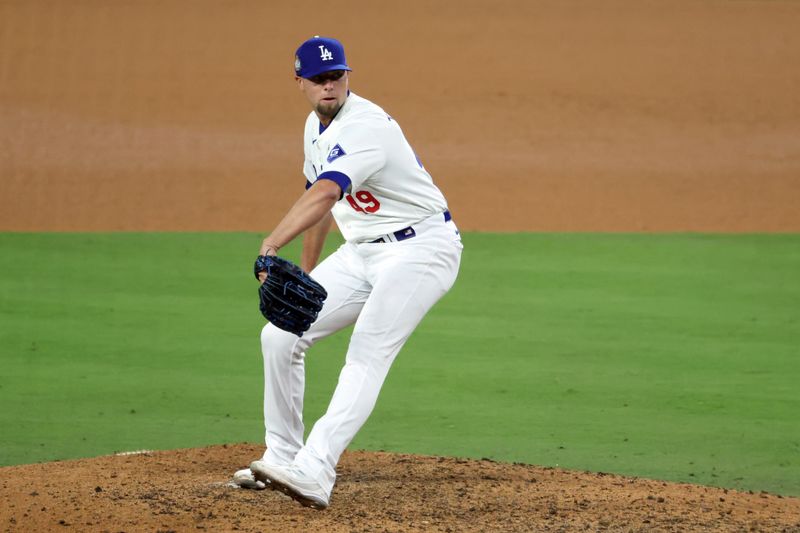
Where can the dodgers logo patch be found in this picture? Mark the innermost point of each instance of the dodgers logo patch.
(324, 53)
(335, 153)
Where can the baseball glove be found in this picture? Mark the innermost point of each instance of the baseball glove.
(289, 298)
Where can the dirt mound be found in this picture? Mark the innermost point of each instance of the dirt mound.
(188, 490)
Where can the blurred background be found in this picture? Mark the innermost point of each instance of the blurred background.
(619, 115)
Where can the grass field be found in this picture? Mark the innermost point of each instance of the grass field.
(675, 357)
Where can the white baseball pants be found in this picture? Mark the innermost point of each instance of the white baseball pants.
(385, 289)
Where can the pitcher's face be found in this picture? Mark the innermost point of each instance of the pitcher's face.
(326, 93)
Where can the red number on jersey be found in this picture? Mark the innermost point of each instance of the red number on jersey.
(371, 204)
(353, 203)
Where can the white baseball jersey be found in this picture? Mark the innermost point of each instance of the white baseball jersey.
(364, 150)
(382, 286)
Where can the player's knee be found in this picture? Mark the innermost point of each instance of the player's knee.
(277, 343)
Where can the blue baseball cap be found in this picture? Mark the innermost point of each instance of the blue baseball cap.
(318, 55)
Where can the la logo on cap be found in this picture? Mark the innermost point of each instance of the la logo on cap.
(324, 53)
(318, 55)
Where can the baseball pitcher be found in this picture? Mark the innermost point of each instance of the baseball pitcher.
(401, 255)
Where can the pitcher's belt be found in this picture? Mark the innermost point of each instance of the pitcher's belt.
(405, 233)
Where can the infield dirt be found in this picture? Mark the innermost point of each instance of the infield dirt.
(187, 490)
(558, 115)
(532, 116)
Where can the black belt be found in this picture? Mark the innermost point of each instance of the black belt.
(407, 233)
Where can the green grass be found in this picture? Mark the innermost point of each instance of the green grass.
(675, 357)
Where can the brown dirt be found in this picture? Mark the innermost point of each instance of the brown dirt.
(558, 115)
(186, 490)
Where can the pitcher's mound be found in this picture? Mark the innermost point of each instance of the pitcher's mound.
(187, 490)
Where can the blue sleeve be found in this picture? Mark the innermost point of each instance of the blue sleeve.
(338, 178)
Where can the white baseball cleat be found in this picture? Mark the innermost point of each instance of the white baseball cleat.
(291, 481)
(245, 479)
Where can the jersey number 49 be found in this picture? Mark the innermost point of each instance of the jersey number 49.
(368, 203)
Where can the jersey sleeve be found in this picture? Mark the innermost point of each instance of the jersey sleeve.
(357, 153)
(308, 171)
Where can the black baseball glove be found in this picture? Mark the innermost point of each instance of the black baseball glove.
(289, 298)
